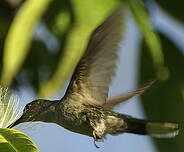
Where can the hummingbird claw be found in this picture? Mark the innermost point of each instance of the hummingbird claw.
(96, 140)
(96, 144)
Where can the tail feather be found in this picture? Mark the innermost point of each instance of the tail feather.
(155, 129)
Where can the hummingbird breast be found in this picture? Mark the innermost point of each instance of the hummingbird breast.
(73, 118)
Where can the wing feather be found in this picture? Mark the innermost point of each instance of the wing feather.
(93, 74)
(115, 101)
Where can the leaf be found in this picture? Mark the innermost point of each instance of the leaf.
(150, 37)
(12, 140)
(165, 100)
(174, 8)
(88, 15)
(19, 37)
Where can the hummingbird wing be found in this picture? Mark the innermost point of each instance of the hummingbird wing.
(94, 72)
(116, 100)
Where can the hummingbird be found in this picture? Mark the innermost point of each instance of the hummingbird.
(85, 107)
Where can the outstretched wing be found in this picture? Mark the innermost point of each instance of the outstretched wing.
(115, 101)
(96, 68)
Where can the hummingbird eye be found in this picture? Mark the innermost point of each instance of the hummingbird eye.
(27, 107)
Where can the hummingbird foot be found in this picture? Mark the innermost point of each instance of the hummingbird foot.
(96, 139)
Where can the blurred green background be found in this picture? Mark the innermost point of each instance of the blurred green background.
(41, 43)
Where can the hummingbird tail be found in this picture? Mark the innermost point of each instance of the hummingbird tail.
(155, 129)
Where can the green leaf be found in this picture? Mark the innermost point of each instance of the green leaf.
(88, 15)
(12, 140)
(150, 36)
(19, 37)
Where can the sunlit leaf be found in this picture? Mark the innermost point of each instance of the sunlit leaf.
(12, 140)
(19, 37)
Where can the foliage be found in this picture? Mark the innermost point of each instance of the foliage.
(79, 20)
(12, 140)
(151, 37)
(165, 100)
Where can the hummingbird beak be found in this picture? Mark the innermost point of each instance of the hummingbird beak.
(18, 121)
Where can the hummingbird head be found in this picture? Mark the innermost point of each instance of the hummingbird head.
(38, 110)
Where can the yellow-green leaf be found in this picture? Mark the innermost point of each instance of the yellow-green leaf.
(19, 37)
(12, 140)
(150, 36)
